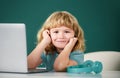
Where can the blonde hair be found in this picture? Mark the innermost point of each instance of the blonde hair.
(63, 18)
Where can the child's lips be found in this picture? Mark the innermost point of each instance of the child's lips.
(61, 41)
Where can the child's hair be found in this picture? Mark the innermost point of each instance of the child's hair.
(63, 18)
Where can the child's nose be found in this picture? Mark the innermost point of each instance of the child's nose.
(61, 35)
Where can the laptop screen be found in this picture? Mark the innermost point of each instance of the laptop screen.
(13, 48)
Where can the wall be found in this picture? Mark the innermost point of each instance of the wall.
(100, 19)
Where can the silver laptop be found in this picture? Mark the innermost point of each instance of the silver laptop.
(13, 49)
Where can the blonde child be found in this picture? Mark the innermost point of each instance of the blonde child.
(60, 43)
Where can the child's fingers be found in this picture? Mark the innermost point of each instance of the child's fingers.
(73, 40)
(48, 31)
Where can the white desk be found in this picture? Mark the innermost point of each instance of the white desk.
(104, 74)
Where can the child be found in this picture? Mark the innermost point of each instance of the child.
(60, 43)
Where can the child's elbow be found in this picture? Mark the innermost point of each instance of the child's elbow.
(60, 68)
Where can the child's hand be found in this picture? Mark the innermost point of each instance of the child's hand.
(71, 43)
(46, 36)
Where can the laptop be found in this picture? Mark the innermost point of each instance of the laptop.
(13, 49)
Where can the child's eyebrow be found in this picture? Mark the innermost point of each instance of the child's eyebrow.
(56, 29)
(62, 30)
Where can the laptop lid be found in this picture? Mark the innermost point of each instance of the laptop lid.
(13, 48)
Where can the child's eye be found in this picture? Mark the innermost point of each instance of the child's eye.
(55, 32)
(67, 31)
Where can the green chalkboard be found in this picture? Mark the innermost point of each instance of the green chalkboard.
(100, 19)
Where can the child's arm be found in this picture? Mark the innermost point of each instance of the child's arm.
(34, 57)
(63, 61)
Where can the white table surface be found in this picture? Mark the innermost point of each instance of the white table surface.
(103, 74)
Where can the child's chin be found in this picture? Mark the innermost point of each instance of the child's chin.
(63, 46)
(60, 45)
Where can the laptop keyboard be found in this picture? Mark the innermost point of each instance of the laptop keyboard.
(37, 70)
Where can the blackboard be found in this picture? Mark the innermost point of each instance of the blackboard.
(100, 19)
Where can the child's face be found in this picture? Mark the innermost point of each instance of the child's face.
(60, 36)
